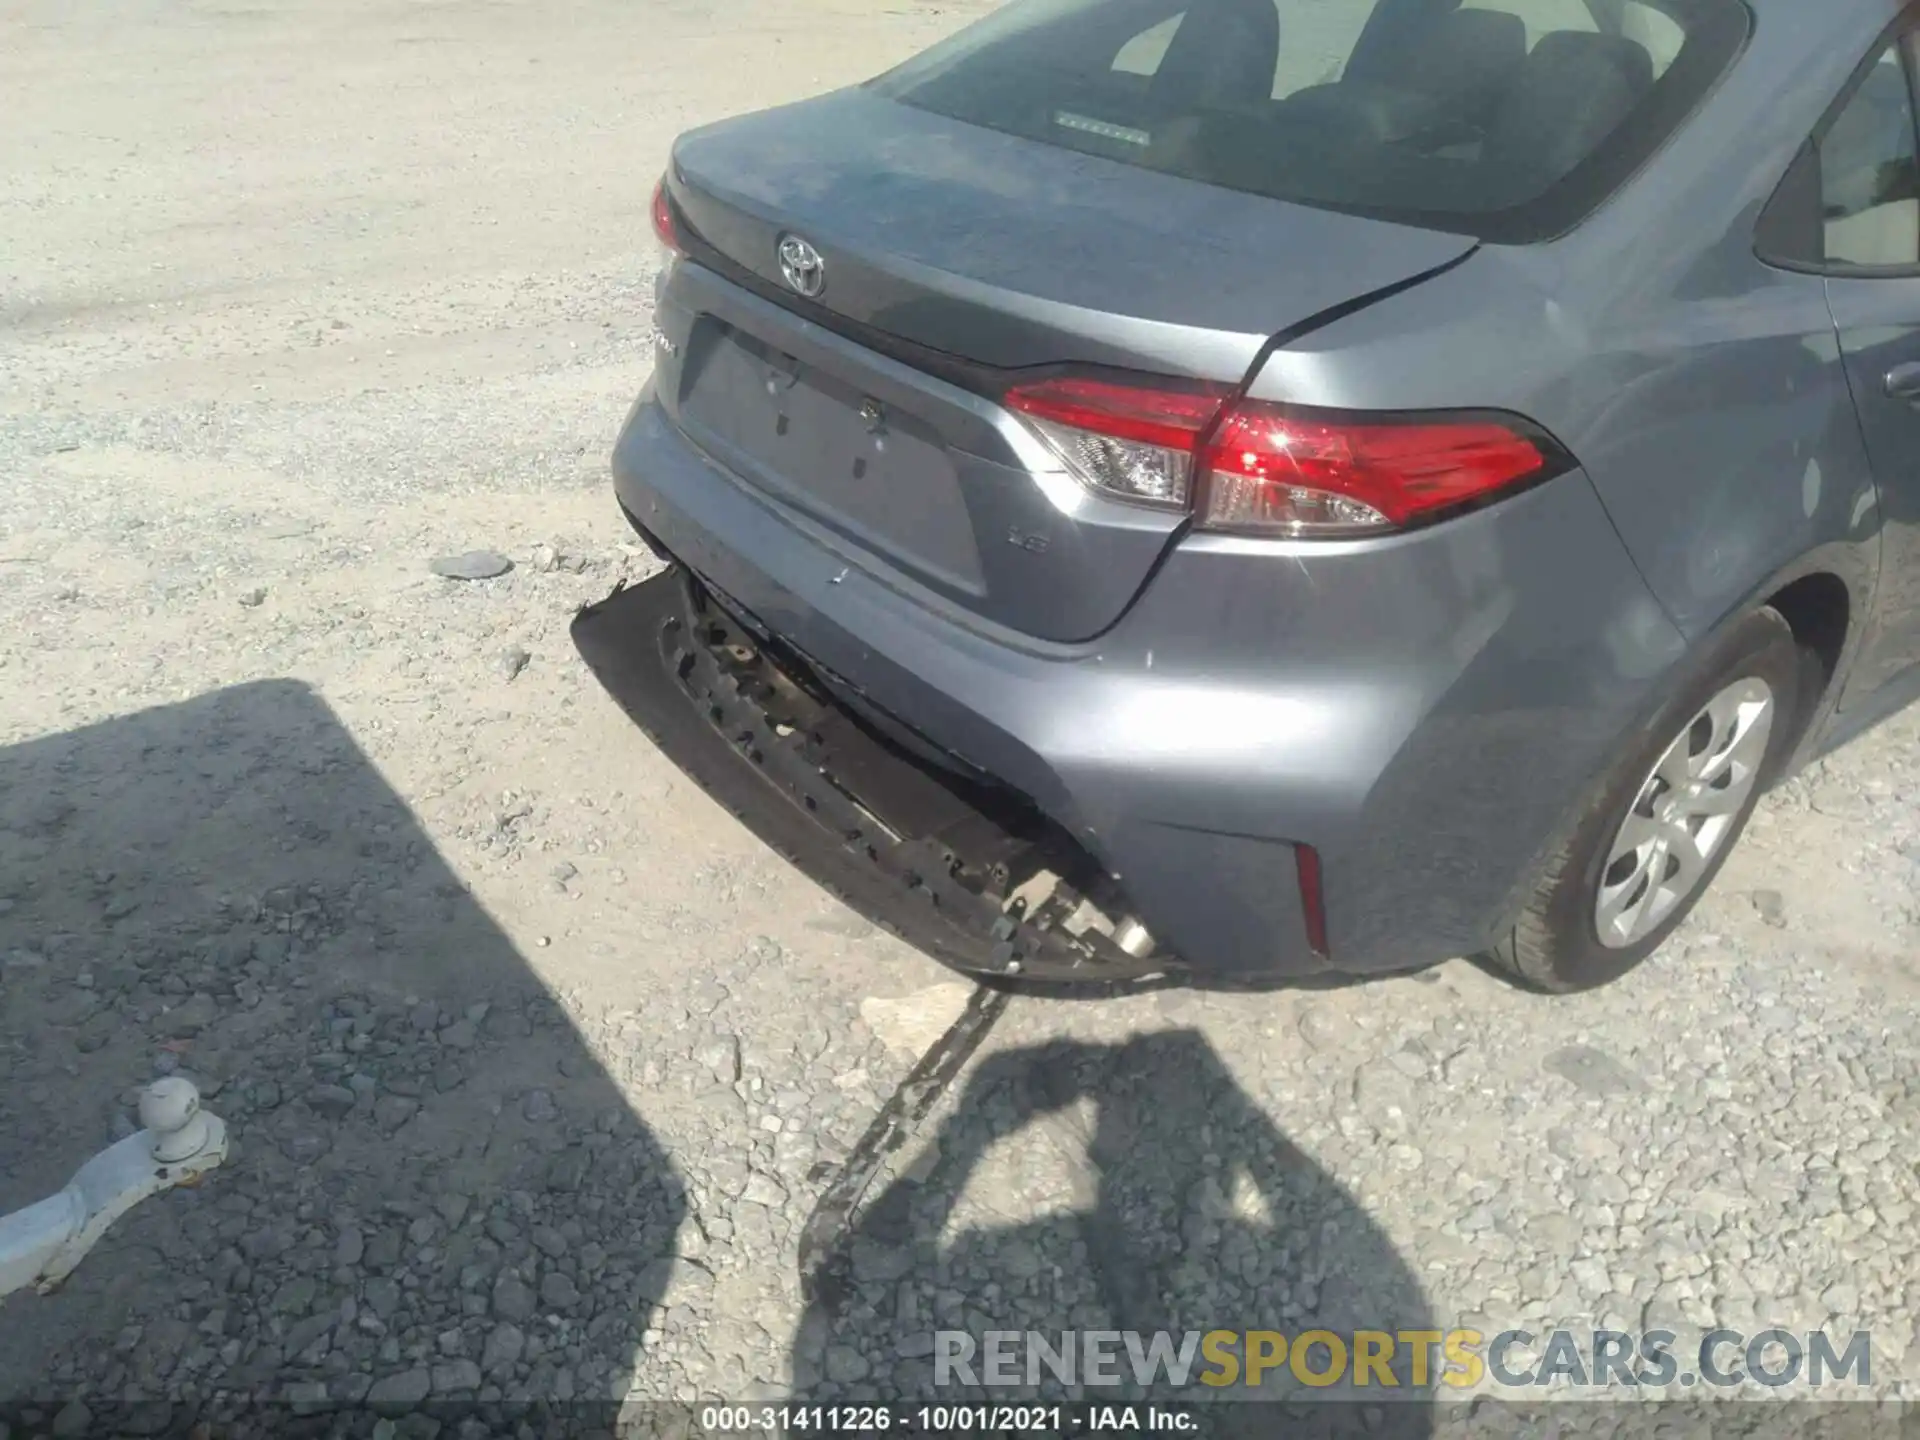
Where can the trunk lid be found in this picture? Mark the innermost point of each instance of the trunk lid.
(951, 254)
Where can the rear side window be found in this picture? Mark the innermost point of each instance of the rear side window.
(1851, 201)
(1869, 177)
(1510, 120)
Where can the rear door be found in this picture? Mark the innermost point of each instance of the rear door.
(1857, 189)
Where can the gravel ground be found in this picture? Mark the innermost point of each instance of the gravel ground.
(536, 1063)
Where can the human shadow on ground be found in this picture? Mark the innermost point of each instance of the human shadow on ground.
(436, 1194)
(1166, 1200)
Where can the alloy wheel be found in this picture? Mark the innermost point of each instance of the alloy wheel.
(1684, 813)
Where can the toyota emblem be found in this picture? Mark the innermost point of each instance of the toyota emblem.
(801, 266)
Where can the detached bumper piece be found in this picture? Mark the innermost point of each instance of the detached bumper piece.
(965, 870)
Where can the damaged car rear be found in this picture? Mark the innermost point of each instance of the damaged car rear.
(1123, 478)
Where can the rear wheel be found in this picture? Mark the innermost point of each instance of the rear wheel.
(1644, 854)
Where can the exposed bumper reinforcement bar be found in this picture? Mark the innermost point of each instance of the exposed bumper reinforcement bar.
(966, 872)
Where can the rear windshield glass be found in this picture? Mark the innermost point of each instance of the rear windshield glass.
(1509, 120)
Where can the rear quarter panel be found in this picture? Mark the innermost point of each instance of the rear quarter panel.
(1701, 391)
(1702, 394)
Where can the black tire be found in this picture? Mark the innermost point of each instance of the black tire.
(1556, 945)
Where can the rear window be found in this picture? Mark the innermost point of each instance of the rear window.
(1509, 120)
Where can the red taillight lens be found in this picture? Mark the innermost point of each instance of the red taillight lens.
(1275, 471)
(663, 230)
(1260, 468)
(1169, 418)
(1132, 441)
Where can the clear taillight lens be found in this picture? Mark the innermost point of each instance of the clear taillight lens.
(1259, 468)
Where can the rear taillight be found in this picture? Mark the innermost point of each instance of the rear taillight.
(1260, 468)
(1131, 441)
(1268, 469)
(663, 227)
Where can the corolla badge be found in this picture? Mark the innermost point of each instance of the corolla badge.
(801, 266)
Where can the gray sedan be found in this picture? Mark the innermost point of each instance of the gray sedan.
(1242, 488)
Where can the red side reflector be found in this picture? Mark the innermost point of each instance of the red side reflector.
(1313, 900)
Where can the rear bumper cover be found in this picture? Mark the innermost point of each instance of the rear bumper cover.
(1428, 711)
(921, 850)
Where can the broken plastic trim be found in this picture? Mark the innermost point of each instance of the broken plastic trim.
(823, 1239)
(926, 851)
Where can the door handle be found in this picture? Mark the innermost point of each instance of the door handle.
(1903, 381)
